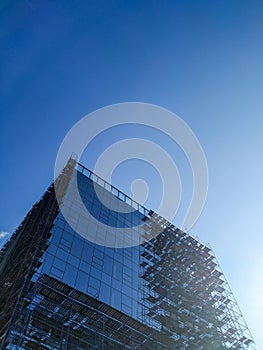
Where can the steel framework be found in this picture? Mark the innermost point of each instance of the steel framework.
(185, 303)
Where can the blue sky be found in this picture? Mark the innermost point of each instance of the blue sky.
(203, 60)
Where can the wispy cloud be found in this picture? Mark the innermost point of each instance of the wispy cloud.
(3, 234)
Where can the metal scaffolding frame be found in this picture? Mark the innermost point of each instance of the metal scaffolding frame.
(186, 302)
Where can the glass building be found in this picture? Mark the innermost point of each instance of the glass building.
(64, 290)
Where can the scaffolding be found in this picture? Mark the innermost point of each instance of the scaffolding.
(187, 294)
(22, 254)
(185, 300)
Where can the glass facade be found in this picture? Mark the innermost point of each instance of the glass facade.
(76, 293)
